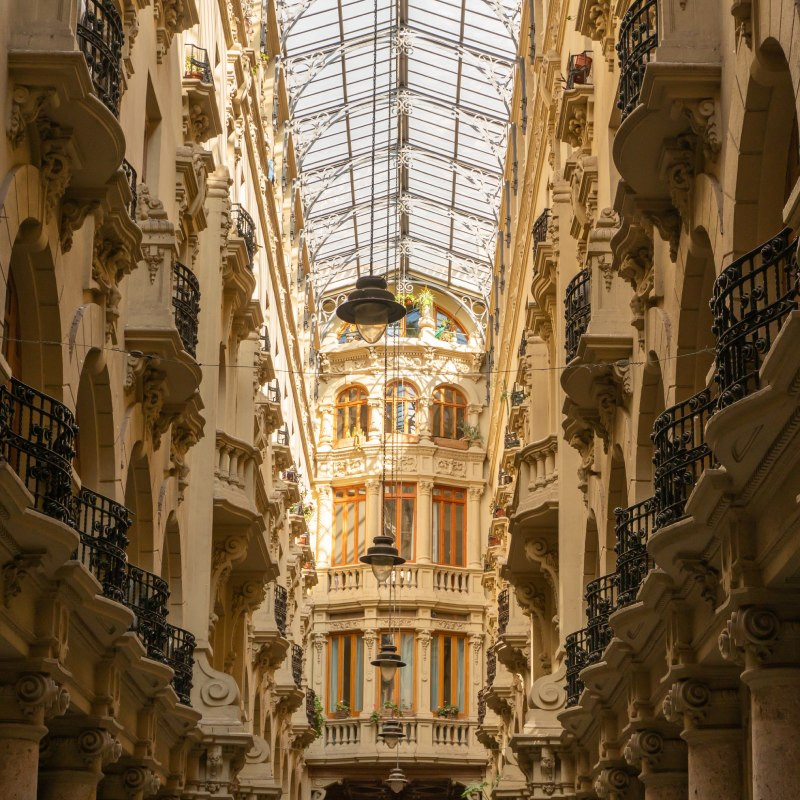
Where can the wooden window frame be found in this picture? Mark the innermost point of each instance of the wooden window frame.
(440, 403)
(355, 637)
(342, 409)
(379, 701)
(438, 643)
(389, 493)
(442, 505)
(391, 404)
(359, 545)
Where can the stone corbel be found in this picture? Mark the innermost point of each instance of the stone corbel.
(678, 169)
(703, 116)
(247, 598)
(15, 571)
(226, 553)
(56, 164)
(111, 260)
(580, 434)
(158, 233)
(666, 219)
(598, 250)
(186, 432)
(27, 103)
(695, 705)
(172, 17)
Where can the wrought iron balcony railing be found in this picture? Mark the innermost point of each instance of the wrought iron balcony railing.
(37, 439)
(601, 601)
(146, 596)
(297, 665)
(577, 659)
(130, 174)
(491, 668)
(517, 398)
(577, 311)
(511, 440)
(503, 606)
(751, 299)
(246, 229)
(282, 436)
(197, 64)
(103, 528)
(311, 716)
(100, 38)
(504, 478)
(274, 392)
(291, 475)
(186, 305)
(633, 528)
(179, 654)
(638, 39)
(481, 706)
(540, 228)
(523, 347)
(579, 70)
(281, 604)
(680, 454)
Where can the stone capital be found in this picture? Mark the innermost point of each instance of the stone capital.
(750, 636)
(39, 697)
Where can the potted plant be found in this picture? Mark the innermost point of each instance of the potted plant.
(319, 716)
(447, 711)
(375, 717)
(425, 299)
(470, 433)
(342, 710)
(357, 436)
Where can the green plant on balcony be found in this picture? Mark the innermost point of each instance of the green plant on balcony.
(447, 711)
(470, 433)
(319, 716)
(342, 710)
(357, 436)
(425, 299)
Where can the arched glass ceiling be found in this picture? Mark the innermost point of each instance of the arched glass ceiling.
(442, 94)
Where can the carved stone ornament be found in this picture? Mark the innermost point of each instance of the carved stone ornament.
(687, 700)
(750, 634)
(644, 746)
(27, 103)
(15, 571)
(40, 697)
(56, 164)
(703, 116)
(158, 233)
(598, 250)
(98, 746)
(612, 783)
(140, 782)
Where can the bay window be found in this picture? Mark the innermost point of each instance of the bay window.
(400, 690)
(449, 526)
(349, 524)
(449, 672)
(399, 516)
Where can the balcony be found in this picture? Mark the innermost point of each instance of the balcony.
(281, 604)
(131, 177)
(179, 654)
(100, 38)
(481, 706)
(281, 453)
(291, 477)
(244, 228)
(572, 125)
(634, 525)
(669, 60)
(579, 70)
(201, 115)
(576, 660)
(517, 398)
(146, 595)
(197, 66)
(186, 306)
(601, 602)
(540, 227)
(752, 299)
(103, 526)
(577, 311)
(269, 405)
(37, 439)
(297, 665)
(511, 441)
(680, 454)
(502, 612)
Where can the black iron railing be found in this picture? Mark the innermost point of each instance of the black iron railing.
(291, 475)
(281, 602)
(579, 70)
(282, 436)
(491, 668)
(100, 38)
(504, 478)
(633, 528)
(186, 305)
(540, 228)
(577, 311)
(297, 665)
(481, 706)
(523, 347)
(638, 39)
(502, 612)
(577, 659)
(130, 174)
(197, 64)
(601, 601)
(680, 454)
(37, 439)
(274, 392)
(179, 654)
(311, 716)
(511, 440)
(146, 596)
(103, 528)
(245, 229)
(751, 299)
(517, 398)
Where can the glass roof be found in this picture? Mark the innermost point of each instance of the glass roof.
(440, 97)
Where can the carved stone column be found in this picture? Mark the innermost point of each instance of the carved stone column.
(710, 719)
(24, 707)
(73, 761)
(756, 638)
(326, 425)
(130, 783)
(373, 510)
(474, 542)
(423, 417)
(424, 490)
(375, 418)
(662, 764)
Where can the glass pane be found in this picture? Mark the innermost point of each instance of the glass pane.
(448, 422)
(347, 670)
(359, 674)
(447, 533)
(436, 425)
(459, 535)
(333, 681)
(460, 676)
(407, 673)
(407, 527)
(364, 417)
(412, 410)
(436, 532)
(362, 525)
(340, 423)
(447, 670)
(435, 674)
(350, 550)
(389, 512)
(338, 527)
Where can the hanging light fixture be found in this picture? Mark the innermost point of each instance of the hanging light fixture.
(371, 307)
(397, 780)
(389, 661)
(382, 557)
(391, 733)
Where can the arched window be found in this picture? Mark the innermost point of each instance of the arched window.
(448, 329)
(352, 412)
(449, 408)
(401, 406)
